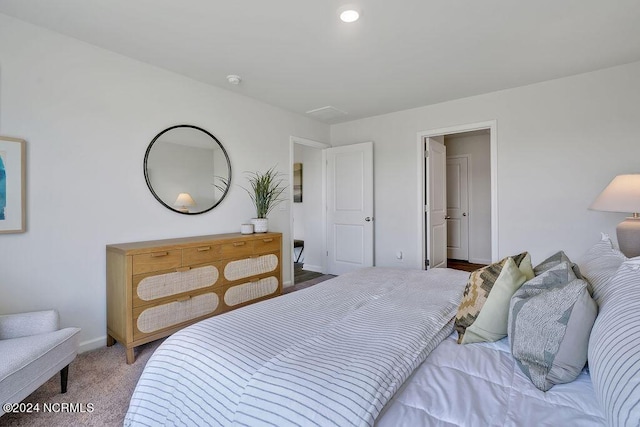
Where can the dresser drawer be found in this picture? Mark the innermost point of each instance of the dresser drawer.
(157, 261)
(150, 320)
(151, 287)
(253, 266)
(250, 291)
(200, 254)
(266, 244)
(236, 249)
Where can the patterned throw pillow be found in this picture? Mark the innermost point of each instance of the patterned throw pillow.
(599, 264)
(549, 325)
(491, 287)
(553, 261)
(614, 347)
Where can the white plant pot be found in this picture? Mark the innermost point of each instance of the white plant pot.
(260, 225)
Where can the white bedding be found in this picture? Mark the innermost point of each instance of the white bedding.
(481, 385)
(333, 354)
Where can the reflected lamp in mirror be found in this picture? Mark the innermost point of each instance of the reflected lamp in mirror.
(184, 202)
(187, 159)
(623, 195)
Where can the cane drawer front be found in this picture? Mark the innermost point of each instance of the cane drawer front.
(154, 319)
(150, 287)
(156, 261)
(201, 254)
(236, 249)
(155, 288)
(249, 291)
(266, 244)
(251, 266)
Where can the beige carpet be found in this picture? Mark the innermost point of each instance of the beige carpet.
(100, 377)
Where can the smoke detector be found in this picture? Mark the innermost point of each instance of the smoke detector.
(234, 79)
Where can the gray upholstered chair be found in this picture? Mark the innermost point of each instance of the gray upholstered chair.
(32, 349)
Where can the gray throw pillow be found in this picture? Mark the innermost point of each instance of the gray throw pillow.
(554, 260)
(550, 320)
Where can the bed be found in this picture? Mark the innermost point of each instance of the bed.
(373, 347)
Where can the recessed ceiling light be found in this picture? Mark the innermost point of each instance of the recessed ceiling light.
(349, 15)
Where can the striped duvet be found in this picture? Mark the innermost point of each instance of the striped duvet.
(333, 354)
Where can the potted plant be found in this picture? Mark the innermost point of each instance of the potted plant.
(265, 191)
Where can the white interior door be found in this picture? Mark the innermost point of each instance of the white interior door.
(457, 208)
(349, 207)
(436, 197)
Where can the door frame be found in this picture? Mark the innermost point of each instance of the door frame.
(320, 146)
(492, 125)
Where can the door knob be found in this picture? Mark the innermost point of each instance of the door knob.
(368, 219)
(447, 217)
(464, 214)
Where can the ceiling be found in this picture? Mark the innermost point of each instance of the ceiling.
(297, 55)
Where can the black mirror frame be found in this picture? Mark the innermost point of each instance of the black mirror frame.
(146, 175)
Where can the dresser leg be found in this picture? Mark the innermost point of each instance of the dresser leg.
(110, 340)
(130, 356)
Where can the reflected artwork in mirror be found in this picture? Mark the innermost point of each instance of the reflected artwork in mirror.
(187, 169)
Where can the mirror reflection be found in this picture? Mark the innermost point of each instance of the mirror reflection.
(187, 169)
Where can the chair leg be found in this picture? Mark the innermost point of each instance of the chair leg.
(64, 375)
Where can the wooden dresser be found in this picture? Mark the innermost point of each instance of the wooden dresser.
(156, 288)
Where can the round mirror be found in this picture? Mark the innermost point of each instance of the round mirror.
(187, 169)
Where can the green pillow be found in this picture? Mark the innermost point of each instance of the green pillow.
(492, 321)
(493, 285)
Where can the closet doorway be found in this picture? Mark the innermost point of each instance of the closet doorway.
(469, 196)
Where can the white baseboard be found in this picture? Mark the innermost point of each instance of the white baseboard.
(92, 344)
(314, 268)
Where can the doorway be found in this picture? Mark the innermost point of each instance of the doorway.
(307, 200)
(470, 185)
(469, 196)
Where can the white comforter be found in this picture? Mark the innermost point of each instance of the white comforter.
(481, 385)
(333, 354)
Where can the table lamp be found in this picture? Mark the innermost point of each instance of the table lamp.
(183, 202)
(623, 195)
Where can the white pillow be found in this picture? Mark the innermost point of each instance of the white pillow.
(599, 264)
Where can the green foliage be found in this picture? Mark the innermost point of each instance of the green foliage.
(265, 190)
(223, 184)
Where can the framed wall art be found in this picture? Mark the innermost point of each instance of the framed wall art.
(297, 182)
(12, 185)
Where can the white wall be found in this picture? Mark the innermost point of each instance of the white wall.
(87, 116)
(478, 149)
(559, 144)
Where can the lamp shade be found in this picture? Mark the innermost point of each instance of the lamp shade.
(184, 199)
(621, 195)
